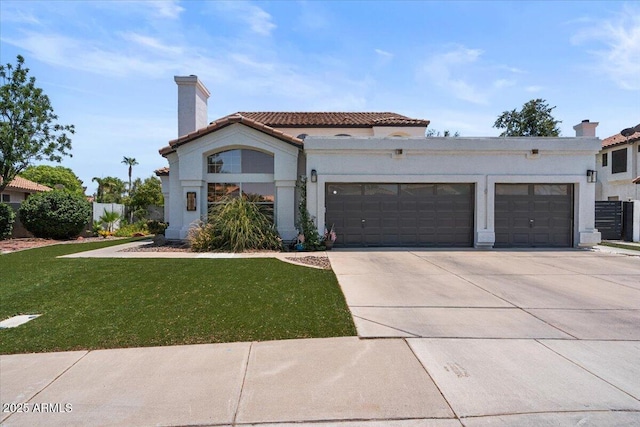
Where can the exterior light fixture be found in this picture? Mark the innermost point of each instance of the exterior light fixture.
(191, 200)
(398, 151)
(592, 176)
(314, 175)
(534, 151)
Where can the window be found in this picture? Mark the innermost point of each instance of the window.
(240, 161)
(6, 198)
(619, 161)
(605, 159)
(512, 189)
(262, 193)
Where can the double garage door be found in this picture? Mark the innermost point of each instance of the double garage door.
(442, 215)
(401, 214)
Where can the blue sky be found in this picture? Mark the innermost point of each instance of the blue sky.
(108, 67)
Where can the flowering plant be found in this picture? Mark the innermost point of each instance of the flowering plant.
(330, 236)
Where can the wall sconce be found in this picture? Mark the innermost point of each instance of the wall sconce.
(592, 176)
(191, 200)
(534, 151)
(314, 175)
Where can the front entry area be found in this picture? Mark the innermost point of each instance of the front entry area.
(409, 215)
(534, 215)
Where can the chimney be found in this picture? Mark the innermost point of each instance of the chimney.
(586, 129)
(192, 104)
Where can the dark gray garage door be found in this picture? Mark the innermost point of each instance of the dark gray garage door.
(534, 215)
(401, 214)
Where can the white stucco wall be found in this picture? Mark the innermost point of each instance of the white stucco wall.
(189, 173)
(14, 196)
(619, 184)
(482, 161)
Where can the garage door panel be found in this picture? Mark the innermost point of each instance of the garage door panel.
(401, 214)
(534, 215)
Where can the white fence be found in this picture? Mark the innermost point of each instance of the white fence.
(100, 208)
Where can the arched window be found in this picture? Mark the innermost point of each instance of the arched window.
(240, 161)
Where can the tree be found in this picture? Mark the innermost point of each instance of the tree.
(447, 133)
(110, 189)
(54, 177)
(29, 130)
(147, 192)
(131, 162)
(534, 119)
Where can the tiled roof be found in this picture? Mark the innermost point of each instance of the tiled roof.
(227, 121)
(267, 121)
(636, 180)
(162, 171)
(332, 119)
(618, 139)
(22, 184)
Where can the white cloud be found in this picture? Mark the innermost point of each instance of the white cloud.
(618, 55)
(384, 53)
(152, 42)
(533, 89)
(502, 83)
(445, 69)
(165, 8)
(258, 20)
(91, 56)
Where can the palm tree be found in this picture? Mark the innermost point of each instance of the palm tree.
(131, 162)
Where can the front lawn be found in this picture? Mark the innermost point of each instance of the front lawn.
(111, 303)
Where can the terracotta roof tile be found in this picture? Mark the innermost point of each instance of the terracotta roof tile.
(618, 139)
(266, 121)
(162, 171)
(22, 184)
(636, 180)
(332, 119)
(227, 121)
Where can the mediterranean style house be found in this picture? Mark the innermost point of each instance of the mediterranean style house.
(19, 189)
(378, 180)
(618, 166)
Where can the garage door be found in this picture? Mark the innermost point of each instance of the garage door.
(534, 215)
(401, 214)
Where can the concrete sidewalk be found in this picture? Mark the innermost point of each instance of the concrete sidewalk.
(329, 382)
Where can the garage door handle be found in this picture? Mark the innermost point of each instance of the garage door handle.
(530, 223)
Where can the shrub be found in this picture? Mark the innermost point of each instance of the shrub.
(237, 225)
(7, 218)
(128, 230)
(156, 227)
(55, 214)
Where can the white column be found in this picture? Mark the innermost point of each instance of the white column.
(285, 209)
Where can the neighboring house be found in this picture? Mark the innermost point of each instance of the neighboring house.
(379, 181)
(19, 189)
(618, 166)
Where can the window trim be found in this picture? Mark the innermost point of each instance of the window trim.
(617, 164)
(605, 159)
(240, 155)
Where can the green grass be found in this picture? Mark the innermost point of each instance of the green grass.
(113, 303)
(621, 246)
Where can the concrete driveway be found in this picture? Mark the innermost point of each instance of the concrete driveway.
(511, 338)
(500, 294)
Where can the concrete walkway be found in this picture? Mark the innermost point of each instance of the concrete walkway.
(501, 338)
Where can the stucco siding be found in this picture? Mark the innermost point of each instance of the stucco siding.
(482, 161)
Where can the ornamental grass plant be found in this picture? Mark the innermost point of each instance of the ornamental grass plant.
(236, 224)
